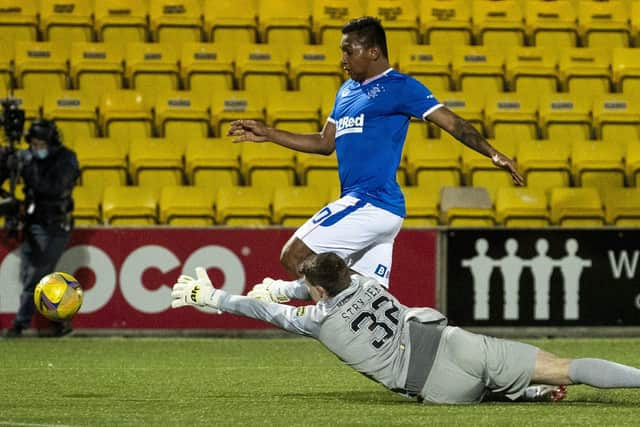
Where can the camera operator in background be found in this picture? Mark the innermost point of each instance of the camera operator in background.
(49, 171)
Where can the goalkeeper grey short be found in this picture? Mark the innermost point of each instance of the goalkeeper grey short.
(468, 365)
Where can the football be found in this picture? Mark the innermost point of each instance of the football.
(58, 296)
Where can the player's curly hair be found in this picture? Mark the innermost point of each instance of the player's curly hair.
(370, 32)
(327, 270)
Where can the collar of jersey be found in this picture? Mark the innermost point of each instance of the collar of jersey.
(376, 77)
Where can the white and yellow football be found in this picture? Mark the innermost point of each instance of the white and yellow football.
(58, 296)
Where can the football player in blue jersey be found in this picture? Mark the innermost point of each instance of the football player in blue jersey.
(367, 129)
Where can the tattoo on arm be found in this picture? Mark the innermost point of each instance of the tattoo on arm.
(469, 136)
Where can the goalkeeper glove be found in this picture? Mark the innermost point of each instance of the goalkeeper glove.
(269, 291)
(197, 292)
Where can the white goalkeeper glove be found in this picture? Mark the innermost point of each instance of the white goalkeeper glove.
(196, 292)
(269, 291)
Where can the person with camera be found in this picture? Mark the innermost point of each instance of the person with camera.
(49, 171)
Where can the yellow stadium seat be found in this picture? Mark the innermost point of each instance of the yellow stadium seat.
(616, 117)
(545, 164)
(176, 22)
(207, 67)
(156, 162)
(6, 66)
(466, 207)
(121, 21)
(122, 205)
(422, 207)
(481, 172)
(18, 20)
(267, 165)
(182, 115)
(294, 111)
(315, 69)
(635, 21)
(125, 114)
(598, 164)
(585, 71)
(498, 24)
(632, 163)
(86, 205)
(445, 23)
(477, 70)
(552, 24)
(400, 21)
(470, 108)
(186, 206)
(428, 64)
(522, 207)
(261, 68)
(152, 68)
(96, 68)
(532, 71)
(212, 162)
(284, 23)
(41, 66)
(329, 16)
(102, 162)
(231, 21)
(243, 206)
(317, 170)
(622, 207)
(576, 207)
(603, 23)
(564, 116)
(230, 105)
(511, 116)
(74, 113)
(625, 70)
(433, 164)
(293, 206)
(66, 22)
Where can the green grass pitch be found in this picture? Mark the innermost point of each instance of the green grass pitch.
(214, 381)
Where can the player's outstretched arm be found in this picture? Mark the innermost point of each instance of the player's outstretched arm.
(254, 131)
(464, 132)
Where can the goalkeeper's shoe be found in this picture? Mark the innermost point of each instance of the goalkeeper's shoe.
(545, 393)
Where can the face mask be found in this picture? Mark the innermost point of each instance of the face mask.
(41, 153)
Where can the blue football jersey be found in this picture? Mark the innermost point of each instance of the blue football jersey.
(371, 121)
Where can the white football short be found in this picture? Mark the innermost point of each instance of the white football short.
(357, 231)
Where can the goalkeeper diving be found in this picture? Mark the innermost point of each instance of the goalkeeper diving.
(411, 351)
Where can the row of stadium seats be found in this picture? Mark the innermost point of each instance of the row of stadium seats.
(96, 68)
(291, 206)
(437, 22)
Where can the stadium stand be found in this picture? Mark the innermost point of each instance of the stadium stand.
(284, 23)
(551, 24)
(317, 170)
(445, 23)
(121, 21)
(152, 68)
(632, 163)
(564, 116)
(531, 71)
(422, 207)
(622, 207)
(231, 22)
(125, 114)
(585, 71)
(522, 207)
(130, 205)
(603, 23)
(87, 205)
(293, 206)
(41, 66)
(243, 206)
(230, 105)
(6, 67)
(433, 164)
(75, 114)
(477, 70)
(329, 16)
(470, 108)
(598, 164)
(625, 70)
(400, 20)
(212, 162)
(182, 115)
(480, 172)
(18, 21)
(616, 117)
(102, 162)
(498, 24)
(511, 116)
(207, 67)
(267, 165)
(186, 206)
(635, 22)
(156, 162)
(428, 64)
(176, 22)
(261, 68)
(294, 111)
(66, 22)
(576, 207)
(466, 207)
(314, 69)
(96, 68)
(545, 164)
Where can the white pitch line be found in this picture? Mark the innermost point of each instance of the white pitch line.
(13, 423)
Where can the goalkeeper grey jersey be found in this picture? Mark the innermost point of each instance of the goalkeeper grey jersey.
(364, 325)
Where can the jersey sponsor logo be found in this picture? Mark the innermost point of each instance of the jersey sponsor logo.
(382, 270)
(300, 311)
(348, 124)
